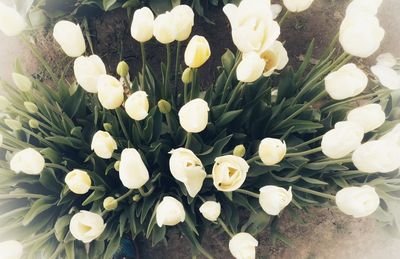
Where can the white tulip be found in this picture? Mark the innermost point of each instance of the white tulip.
(70, 37)
(187, 168)
(22, 82)
(250, 68)
(276, 10)
(273, 199)
(387, 76)
(360, 34)
(11, 22)
(78, 181)
(271, 151)
(229, 172)
(142, 24)
(347, 81)
(132, 171)
(393, 135)
(197, 52)
(210, 210)
(297, 5)
(377, 156)
(342, 140)
(386, 59)
(276, 58)
(243, 246)
(369, 7)
(193, 116)
(137, 105)
(87, 71)
(170, 212)
(184, 21)
(86, 226)
(165, 29)
(11, 249)
(28, 161)
(103, 144)
(110, 92)
(1, 139)
(370, 116)
(357, 201)
(253, 28)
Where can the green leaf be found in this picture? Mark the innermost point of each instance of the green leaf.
(160, 6)
(227, 117)
(314, 181)
(49, 180)
(107, 4)
(61, 227)
(94, 196)
(37, 207)
(70, 250)
(209, 157)
(228, 61)
(112, 246)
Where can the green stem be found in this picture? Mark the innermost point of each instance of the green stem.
(185, 93)
(21, 196)
(169, 123)
(304, 153)
(178, 49)
(253, 159)
(235, 94)
(139, 128)
(87, 34)
(143, 51)
(225, 227)
(307, 142)
(125, 195)
(148, 193)
(321, 194)
(230, 77)
(249, 193)
(330, 162)
(126, 81)
(121, 123)
(9, 148)
(63, 168)
(194, 89)
(167, 73)
(284, 17)
(38, 239)
(188, 140)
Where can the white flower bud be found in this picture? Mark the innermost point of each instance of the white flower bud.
(165, 28)
(197, 52)
(110, 203)
(184, 21)
(70, 38)
(87, 71)
(11, 22)
(193, 116)
(210, 210)
(357, 201)
(243, 246)
(137, 105)
(170, 212)
(31, 107)
(142, 24)
(86, 226)
(271, 151)
(28, 161)
(110, 92)
(22, 82)
(132, 171)
(273, 199)
(78, 181)
(103, 144)
(370, 116)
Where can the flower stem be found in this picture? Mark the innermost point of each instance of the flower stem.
(188, 140)
(284, 17)
(178, 49)
(148, 193)
(21, 196)
(253, 159)
(249, 193)
(125, 195)
(321, 194)
(230, 77)
(185, 93)
(127, 83)
(143, 51)
(304, 153)
(330, 162)
(225, 227)
(167, 72)
(63, 168)
(194, 89)
(121, 123)
(235, 94)
(307, 142)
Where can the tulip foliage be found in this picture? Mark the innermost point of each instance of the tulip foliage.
(91, 159)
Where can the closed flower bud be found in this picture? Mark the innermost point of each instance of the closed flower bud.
(70, 37)
(187, 76)
(342, 140)
(386, 59)
(369, 117)
(11, 23)
(210, 210)
(274, 199)
(348, 75)
(357, 201)
(197, 52)
(272, 151)
(87, 71)
(117, 165)
(250, 68)
(137, 105)
(297, 5)
(86, 226)
(229, 173)
(132, 171)
(110, 203)
(22, 82)
(243, 246)
(11, 249)
(275, 57)
(28, 161)
(193, 116)
(170, 212)
(122, 69)
(34, 124)
(165, 30)
(187, 168)
(4, 103)
(369, 7)
(387, 76)
(239, 151)
(31, 107)
(110, 92)
(184, 21)
(136, 198)
(13, 124)
(142, 24)
(107, 126)
(78, 181)
(103, 144)
(164, 106)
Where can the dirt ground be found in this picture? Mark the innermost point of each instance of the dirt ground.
(318, 233)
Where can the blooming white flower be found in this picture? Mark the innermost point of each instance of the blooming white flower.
(142, 24)
(197, 52)
(370, 116)
(271, 151)
(193, 116)
(187, 168)
(387, 76)
(253, 28)
(11, 22)
(86, 226)
(28, 161)
(377, 156)
(103, 144)
(11, 249)
(369, 7)
(210, 210)
(347, 81)
(342, 140)
(165, 29)
(297, 5)
(250, 68)
(78, 181)
(137, 105)
(276, 58)
(386, 59)
(184, 21)
(357, 201)
(132, 170)
(87, 71)
(110, 92)
(170, 212)
(243, 246)
(70, 37)
(273, 199)
(229, 172)
(23, 83)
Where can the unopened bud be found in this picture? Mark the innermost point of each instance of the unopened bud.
(22, 82)
(164, 106)
(239, 151)
(31, 107)
(122, 69)
(187, 76)
(116, 166)
(110, 203)
(4, 103)
(34, 124)
(136, 198)
(107, 126)
(13, 124)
